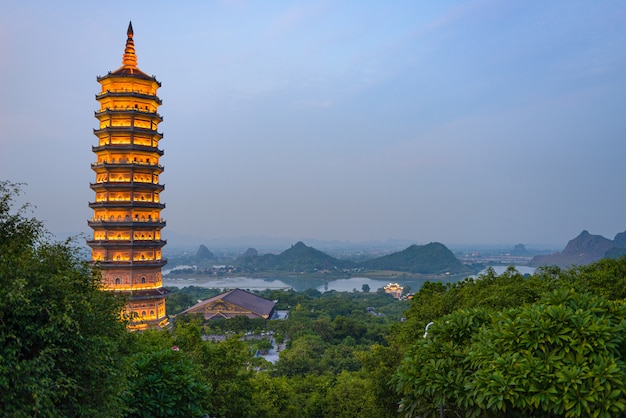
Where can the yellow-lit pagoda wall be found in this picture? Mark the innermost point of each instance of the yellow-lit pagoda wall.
(129, 84)
(149, 311)
(136, 279)
(136, 157)
(126, 219)
(137, 254)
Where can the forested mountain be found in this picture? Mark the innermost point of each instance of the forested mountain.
(551, 344)
(298, 258)
(584, 249)
(433, 258)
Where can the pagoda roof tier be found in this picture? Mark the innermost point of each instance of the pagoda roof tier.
(129, 129)
(144, 294)
(127, 147)
(153, 168)
(124, 244)
(125, 186)
(125, 204)
(128, 73)
(127, 111)
(128, 93)
(136, 224)
(104, 264)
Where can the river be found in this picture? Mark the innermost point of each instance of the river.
(301, 284)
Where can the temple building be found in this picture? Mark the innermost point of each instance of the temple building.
(232, 303)
(394, 289)
(126, 243)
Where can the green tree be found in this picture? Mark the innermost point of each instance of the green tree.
(379, 365)
(560, 357)
(224, 367)
(563, 356)
(165, 383)
(272, 397)
(436, 369)
(350, 397)
(62, 341)
(489, 290)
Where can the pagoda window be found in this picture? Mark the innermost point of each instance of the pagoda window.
(151, 313)
(143, 314)
(117, 281)
(143, 280)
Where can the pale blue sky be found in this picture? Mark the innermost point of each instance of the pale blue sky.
(449, 121)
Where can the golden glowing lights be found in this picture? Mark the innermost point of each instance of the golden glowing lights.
(126, 218)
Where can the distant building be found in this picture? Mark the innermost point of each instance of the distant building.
(126, 243)
(235, 302)
(394, 289)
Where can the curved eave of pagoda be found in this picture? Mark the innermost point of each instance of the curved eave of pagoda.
(123, 94)
(103, 265)
(126, 244)
(127, 111)
(122, 204)
(128, 129)
(122, 186)
(127, 147)
(135, 165)
(148, 294)
(136, 224)
(123, 72)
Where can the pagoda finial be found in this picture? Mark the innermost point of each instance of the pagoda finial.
(130, 59)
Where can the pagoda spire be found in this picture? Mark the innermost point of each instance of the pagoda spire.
(130, 58)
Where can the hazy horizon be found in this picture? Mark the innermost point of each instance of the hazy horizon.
(458, 122)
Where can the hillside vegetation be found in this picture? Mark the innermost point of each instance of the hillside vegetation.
(551, 344)
(298, 258)
(431, 259)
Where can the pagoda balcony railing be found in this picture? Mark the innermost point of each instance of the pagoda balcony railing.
(127, 185)
(133, 129)
(130, 222)
(137, 243)
(128, 110)
(147, 294)
(127, 164)
(126, 204)
(128, 93)
(127, 147)
(126, 263)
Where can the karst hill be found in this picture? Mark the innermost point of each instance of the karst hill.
(430, 259)
(584, 249)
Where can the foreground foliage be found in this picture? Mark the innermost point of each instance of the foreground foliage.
(551, 344)
(562, 356)
(61, 338)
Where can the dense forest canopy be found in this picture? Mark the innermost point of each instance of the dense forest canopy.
(548, 344)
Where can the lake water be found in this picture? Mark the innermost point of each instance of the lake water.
(301, 284)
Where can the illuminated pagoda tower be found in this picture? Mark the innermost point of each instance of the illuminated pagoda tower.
(127, 223)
